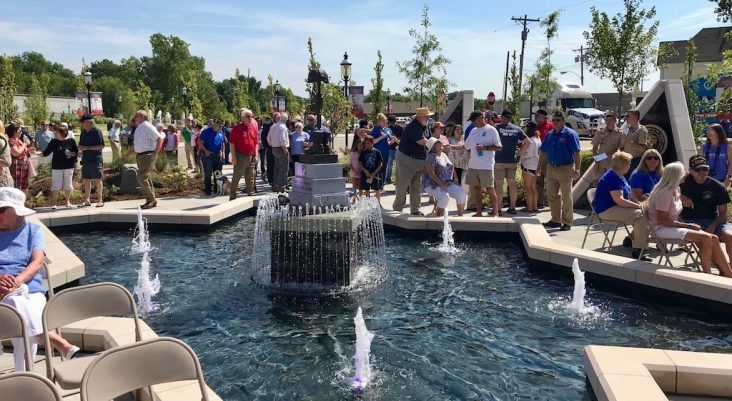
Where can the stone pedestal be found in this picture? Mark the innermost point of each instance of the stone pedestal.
(318, 184)
(128, 180)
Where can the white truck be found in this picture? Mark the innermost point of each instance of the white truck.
(579, 106)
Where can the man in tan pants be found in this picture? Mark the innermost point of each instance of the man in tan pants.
(561, 153)
(410, 157)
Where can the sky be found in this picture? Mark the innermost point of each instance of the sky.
(264, 37)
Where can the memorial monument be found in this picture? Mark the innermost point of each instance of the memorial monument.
(315, 238)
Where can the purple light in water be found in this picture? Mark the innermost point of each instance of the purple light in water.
(359, 384)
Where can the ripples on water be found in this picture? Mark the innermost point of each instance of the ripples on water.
(474, 326)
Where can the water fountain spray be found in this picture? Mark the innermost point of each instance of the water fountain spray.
(578, 297)
(363, 349)
(145, 288)
(448, 242)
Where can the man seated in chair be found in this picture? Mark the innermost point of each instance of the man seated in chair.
(612, 201)
(705, 201)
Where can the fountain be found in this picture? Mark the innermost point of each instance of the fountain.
(578, 297)
(448, 242)
(145, 288)
(363, 349)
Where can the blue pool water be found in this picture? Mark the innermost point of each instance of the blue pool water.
(478, 326)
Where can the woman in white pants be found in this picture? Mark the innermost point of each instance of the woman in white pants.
(439, 179)
(21, 286)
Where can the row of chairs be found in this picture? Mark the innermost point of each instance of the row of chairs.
(118, 370)
(610, 228)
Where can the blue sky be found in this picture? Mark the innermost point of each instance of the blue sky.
(270, 37)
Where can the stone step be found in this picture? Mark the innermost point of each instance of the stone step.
(327, 170)
(319, 186)
(299, 198)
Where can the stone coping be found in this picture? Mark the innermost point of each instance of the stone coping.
(632, 374)
(101, 333)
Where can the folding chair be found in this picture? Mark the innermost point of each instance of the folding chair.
(27, 386)
(12, 325)
(46, 276)
(605, 225)
(75, 304)
(125, 369)
(665, 247)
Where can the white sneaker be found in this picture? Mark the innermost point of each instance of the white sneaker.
(53, 207)
(72, 351)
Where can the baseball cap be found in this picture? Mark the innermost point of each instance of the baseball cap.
(86, 117)
(474, 115)
(506, 114)
(697, 162)
(542, 112)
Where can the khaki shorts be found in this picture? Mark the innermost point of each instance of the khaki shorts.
(505, 171)
(479, 178)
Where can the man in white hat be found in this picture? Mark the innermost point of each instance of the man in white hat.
(410, 162)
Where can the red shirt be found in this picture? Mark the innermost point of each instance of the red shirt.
(244, 138)
(544, 130)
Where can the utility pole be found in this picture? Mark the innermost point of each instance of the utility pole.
(505, 81)
(581, 59)
(524, 35)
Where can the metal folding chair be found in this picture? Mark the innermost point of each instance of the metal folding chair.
(606, 226)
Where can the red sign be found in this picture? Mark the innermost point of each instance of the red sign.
(491, 98)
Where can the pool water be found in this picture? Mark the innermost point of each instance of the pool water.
(476, 326)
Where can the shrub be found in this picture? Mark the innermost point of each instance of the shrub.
(36, 201)
(161, 163)
(110, 192)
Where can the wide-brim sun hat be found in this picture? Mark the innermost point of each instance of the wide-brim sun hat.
(422, 112)
(15, 198)
(431, 142)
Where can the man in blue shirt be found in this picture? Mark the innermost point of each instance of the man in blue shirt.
(513, 140)
(561, 153)
(212, 139)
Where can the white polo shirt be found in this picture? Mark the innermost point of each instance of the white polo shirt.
(279, 136)
(146, 137)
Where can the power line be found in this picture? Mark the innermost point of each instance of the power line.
(524, 35)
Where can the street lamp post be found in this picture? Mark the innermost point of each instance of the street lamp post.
(88, 83)
(119, 104)
(278, 87)
(582, 79)
(184, 89)
(388, 101)
(346, 75)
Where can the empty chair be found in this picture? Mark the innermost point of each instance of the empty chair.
(79, 303)
(27, 386)
(12, 326)
(125, 369)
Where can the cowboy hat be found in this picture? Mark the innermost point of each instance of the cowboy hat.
(422, 112)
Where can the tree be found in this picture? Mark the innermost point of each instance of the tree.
(541, 83)
(620, 48)
(376, 93)
(422, 70)
(36, 108)
(8, 110)
(80, 82)
(313, 64)
(723, 10)
(241, 91)
(111, 88)
(336, 107)
(514, 102)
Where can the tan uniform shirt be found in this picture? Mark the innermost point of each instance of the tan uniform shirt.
(639, 136)
(607, 141)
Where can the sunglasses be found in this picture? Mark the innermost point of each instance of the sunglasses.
(699, 169)
(652, 158)
(556, 120)
(3, 209)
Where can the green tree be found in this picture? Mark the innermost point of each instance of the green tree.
(80, 82)
(241, 91)
(336, 108)
(36, 107)
(111, 88)
(143, 95)
(376, 94)
(541, 83)
(620, 48)
(128, 106)
(514, 102)
(8, 89)
(313, 64)
(62, 81)
(723, 10)
(427, 68)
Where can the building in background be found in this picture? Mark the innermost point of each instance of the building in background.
(57, 105)
(710, 43)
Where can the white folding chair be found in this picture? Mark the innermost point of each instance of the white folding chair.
(665, 247)
(27, 386)
(12, 325)
(606, 226)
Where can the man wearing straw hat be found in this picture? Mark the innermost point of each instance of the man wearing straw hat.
(410, 157)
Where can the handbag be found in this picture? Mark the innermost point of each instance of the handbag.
(31, 170)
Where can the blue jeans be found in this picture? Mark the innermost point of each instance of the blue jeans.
(389, 165)
(704, 223)
(210, 164)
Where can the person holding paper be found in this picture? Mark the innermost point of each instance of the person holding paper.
(605, 143)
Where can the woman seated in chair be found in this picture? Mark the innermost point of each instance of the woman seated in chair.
(664, 210)
(646, 176)
(439, 179)
(21, 285)
(612, 201)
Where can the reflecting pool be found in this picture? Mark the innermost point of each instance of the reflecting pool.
(472, 326)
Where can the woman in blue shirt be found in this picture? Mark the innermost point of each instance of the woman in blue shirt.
(299, 142)
(612, 201)
(646, 176)
(716, 150)
(21, 285)
(382, 136)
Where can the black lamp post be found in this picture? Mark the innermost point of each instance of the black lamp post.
(88, 83)
(388, 101)
(277, 88)
(346, 75)
(185, 102)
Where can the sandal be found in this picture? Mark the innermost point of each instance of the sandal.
(100, 204)
(85, 204)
